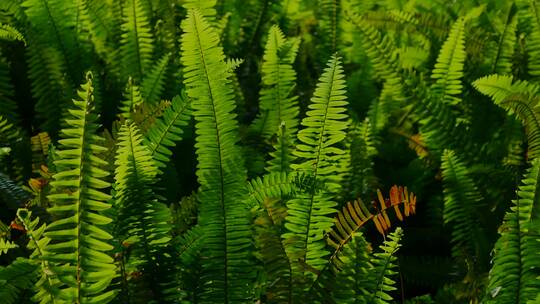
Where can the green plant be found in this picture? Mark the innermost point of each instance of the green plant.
(232, 151)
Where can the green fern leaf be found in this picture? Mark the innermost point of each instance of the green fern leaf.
(78, 246)
(46, 288)
(132, 99)
(220, 169)
(10, 33)
(282, 157)
(318, 156)
(519, 98)
(137, 42)
(6, 245)
(277, 103)
(168, 130)
(461, 198)
(516, 262)
(142, 221)
(448, 70)
(16, 277)
(152, 85)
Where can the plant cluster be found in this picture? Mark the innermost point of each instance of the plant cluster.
(232, 151)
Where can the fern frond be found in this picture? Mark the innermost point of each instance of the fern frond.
(46, 288)
(137, 42)
(168, 130)
(520, 99)
(329, 13)
(381, 52)
(461, 198)
(356, 214)
(146, 115)
(282, 157)
(153, 83)
(12, 196)
(132, 99)
(207, 8)
(16, 277)
(379, 285)
(9, 33)
(142, 221)
(6, 245)
(533, 41)
(448, 70)
(272, 185)
(318, 156)
(268, 226)
(40, 150)
(516, 262)
(277, 103)
(502, 57)
(78, 246)
(220, 169)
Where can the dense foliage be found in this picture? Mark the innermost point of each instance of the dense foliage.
(249, 151)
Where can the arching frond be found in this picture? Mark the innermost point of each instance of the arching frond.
(9, 33)
(78, 246)
(519, 98)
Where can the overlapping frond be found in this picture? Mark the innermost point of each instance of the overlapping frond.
(168, 130)
(381, 52)
(461, 200)
(502, 56)
(132, 99)
(356, 214)
(282, 156)
(16, 277)
(516, 260)
(78, 245)
(318, 153)
(154, 81)
(533, 41)
(519, 98)
(220, 169)
(142, 221)
(277, 101)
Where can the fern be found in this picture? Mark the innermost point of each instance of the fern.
(282, 157)
(78, 246)
(207, 8)
(502, 59)
(6, 245)
(329, 13)
(163, 134)
(137, 42)
(272, 185)
(46, 288)
(381, 284)
(277, 103)
(143, 222)
(318, 154)
(355, 215)
(449, 67)
(516, 267)
(132, 99)
(519, 98)
(220, 171)
(461, 198)
(16, 277)
(153, 83)
(533, 43)
(10, 33)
